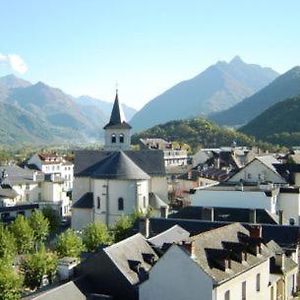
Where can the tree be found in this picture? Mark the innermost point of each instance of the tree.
(10, 282)
(69, 244)
(95, 234)
(36, 266)
(122, 228)
(8, 246)
(53, 218)
(40, 226)
(23, 234)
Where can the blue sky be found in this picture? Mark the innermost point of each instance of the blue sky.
(85, 46)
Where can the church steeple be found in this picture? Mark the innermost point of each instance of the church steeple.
(117, 118)
(117, 130)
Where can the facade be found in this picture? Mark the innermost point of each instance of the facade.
(173, 156)
(19, 187)
(53, 164)
(261, 169)
(117, 181)
(251, 197)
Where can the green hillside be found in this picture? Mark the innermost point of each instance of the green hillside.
(279, 124)
(198, 132)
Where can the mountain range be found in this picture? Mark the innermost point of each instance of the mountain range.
(217, 88)
(39, 114)
(285, 86)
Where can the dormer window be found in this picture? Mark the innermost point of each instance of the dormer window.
(113, 138)
(121, 137)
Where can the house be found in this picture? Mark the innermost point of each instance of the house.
(21, 188)
(229, 262)
(173, 155)
(260, 169)
(118, 270)
(53, 164)
(117, 181)
(238, 196)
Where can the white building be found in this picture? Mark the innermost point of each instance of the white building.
(57, 165)
(173, 156)
(117, 181)
(225, 263)
(20, 186)
(261, 169)
(262, 197)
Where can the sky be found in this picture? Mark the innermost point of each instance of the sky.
(85, 47)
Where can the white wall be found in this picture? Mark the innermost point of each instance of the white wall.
(81, 218)
(255, 172)
(117, 145)
(235, 284)
(238, 199)
(290, 204)
(176, 277)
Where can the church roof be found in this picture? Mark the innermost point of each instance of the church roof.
(117, 165)
(150, 161)
(117, 118)
(86, 201)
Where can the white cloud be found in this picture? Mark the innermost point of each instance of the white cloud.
(15, 61)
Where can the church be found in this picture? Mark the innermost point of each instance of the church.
(117, 181)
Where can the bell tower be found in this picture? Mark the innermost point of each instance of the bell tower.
(117, 130)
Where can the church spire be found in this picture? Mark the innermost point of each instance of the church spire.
(117, 118)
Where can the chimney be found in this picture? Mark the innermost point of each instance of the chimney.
(252, 216)
(144, 227)
(190, 247)
(256, 232)
(164, 212)
(280, 214)
(280, 260)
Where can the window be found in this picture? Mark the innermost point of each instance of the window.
(27, 186)
(144, 201)
(98, 202)
(39, 184)
(244, 288)
(272, 293)
(249, 176)
(258, 282)
(120, 204)
(27, 197)
(292, 221)
(40, 196)
(227, 295)
(113, 138)
(121, 137)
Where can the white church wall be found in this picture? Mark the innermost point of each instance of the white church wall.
(81, 218)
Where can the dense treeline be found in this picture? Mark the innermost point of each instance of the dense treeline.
(199, 132)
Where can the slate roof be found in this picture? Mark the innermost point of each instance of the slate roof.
(18, 175)
(150, 161)
(117, 165)
(8, 193)
(225, 214)
(226, 242)
(117, 118)
(129, 252)
(86, 201)
(286, 236)
(172, 235)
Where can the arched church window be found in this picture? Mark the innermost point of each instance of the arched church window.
(120, 203)
(121, 138)
(98, 202)
(113, 138)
